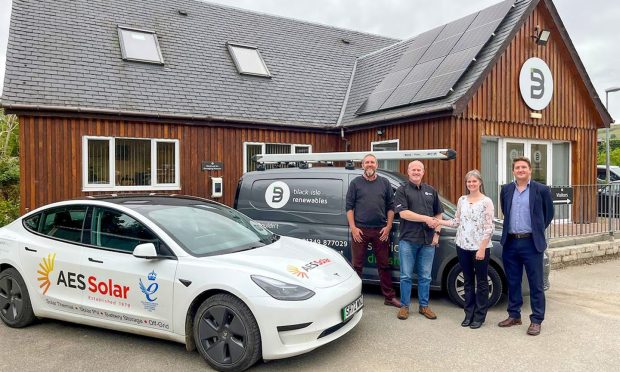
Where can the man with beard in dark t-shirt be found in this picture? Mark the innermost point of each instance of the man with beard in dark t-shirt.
(370, 212)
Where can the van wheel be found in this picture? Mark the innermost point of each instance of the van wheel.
(226, 333)
(456, 289)
(15, 307)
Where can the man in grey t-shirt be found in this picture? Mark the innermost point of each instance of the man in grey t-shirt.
(370, 212)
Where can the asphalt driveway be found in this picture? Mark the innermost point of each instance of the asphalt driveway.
(581, 332)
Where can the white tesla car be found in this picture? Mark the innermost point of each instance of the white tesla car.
(178, 268)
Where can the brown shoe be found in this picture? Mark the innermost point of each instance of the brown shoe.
(392, 302)
(533, 329)
(509, 322)
(403, 313)
(427, 312)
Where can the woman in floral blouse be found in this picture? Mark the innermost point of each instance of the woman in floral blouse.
(474, 218)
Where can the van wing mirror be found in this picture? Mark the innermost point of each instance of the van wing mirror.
(145, 250)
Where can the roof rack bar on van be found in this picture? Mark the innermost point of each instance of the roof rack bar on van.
(320, 157)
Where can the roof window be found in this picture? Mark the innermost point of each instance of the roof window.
(248, 60)
(139, 45)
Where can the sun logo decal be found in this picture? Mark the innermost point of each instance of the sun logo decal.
(295, 271)
(46, 267)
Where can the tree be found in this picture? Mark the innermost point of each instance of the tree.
(9, 168)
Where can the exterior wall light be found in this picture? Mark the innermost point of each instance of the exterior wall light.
(541, 36)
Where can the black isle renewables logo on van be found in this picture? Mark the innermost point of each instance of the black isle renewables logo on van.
(278, 194)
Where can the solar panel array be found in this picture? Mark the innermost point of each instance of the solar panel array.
(435, 60)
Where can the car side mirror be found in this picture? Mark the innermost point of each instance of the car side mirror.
(145, 250)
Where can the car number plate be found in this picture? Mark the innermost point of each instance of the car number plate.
(352, 308)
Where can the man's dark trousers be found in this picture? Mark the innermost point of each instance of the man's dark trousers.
(382, 253)
(519, 253)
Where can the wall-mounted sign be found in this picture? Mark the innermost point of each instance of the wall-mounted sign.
(536, 83)
(211, 166)
(562, 195)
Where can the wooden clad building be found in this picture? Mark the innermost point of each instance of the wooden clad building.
(95, 118)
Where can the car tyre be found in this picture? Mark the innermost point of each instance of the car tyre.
(456, 290)
(15, 307)
(226, 333)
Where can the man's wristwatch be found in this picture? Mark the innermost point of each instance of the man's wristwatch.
(438, 233)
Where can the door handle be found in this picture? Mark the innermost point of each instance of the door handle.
(30, 250)
(93, 260)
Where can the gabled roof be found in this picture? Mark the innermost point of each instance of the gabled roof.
(320, 74)
(372, 68)
(65, 55)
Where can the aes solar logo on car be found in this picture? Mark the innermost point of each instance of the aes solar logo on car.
(277, 194)
(46, 267)
(78, 281)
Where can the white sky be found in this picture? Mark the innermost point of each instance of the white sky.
(591, 24)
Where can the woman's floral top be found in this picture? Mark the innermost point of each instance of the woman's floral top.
(474, 221)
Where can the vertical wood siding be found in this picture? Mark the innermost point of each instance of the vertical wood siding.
(51, 156)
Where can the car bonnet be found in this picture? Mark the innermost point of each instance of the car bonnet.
(295, 261)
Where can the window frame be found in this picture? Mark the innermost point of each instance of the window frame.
(264, 146)
(372, 150)
(124, 56)
(111, 185)
(231, 45)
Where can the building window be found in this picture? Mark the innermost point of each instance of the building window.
(139, 45)
(254, 148)
(248, 60)
(391, 145)
(130, 164)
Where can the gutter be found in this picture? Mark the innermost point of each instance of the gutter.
(158, 115)
(446, 108)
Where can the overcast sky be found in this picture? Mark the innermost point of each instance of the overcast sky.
(591, 24)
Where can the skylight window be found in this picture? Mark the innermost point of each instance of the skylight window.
(248, 60)
(139, 45)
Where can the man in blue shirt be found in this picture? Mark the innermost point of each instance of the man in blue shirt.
(528, 210)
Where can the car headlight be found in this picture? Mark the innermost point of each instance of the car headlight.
(281, 290)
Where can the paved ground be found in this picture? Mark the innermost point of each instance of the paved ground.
(582, 332)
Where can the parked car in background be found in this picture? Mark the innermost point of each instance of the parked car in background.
(178, 268)
(310, 204)
(601, 173)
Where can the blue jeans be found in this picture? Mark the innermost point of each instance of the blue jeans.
(411, 254)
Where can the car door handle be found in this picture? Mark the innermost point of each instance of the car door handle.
(93, 260)
(30, 250)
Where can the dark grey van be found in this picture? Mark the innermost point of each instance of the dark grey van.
(310, 204)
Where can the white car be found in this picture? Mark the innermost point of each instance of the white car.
(178, 268)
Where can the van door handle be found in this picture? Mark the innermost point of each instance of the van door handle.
(30, 250)
(93, 260)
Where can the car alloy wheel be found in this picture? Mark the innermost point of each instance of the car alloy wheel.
(15, 308)
(226, 333)
(455, 285)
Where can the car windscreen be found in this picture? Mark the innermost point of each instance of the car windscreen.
(207, 229)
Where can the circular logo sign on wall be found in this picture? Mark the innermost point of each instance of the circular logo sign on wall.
(536, 83)
(277, 194)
